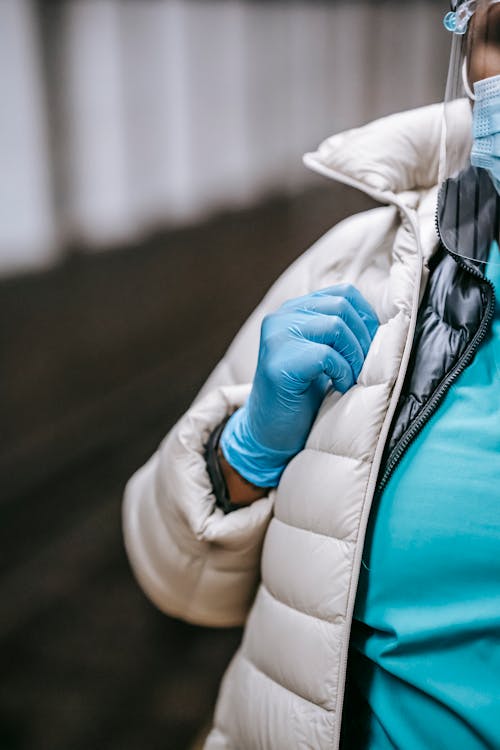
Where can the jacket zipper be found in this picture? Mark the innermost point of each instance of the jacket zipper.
(381, 197)
(430, 408)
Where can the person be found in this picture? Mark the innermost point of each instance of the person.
(334, 486)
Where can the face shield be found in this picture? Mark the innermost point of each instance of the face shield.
(469, 202)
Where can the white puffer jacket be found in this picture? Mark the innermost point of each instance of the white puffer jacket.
(290, 562)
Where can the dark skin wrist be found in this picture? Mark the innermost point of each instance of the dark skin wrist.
(239, 490)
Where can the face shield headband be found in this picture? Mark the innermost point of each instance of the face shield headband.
(469, 203)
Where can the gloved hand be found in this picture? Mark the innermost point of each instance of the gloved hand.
(309, 345)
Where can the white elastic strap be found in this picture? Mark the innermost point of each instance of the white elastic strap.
(465, 81)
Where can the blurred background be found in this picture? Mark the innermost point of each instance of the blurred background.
(151, 190)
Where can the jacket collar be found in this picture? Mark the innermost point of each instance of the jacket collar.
(391, 159)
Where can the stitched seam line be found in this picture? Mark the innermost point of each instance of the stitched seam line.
(336, 621)
(258, 669)
(338, 455)
(343, 540)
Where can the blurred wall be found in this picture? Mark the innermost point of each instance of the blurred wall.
(123, 116)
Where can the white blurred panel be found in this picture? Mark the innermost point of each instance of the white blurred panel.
(312, 101)
(27, 230)
(157, 111)
(217, 123)
(430, 51)
(96, 157)
(330, 66)
(351, 63)
(396, 39)
(268, 86)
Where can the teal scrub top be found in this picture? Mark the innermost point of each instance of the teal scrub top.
(425, 642)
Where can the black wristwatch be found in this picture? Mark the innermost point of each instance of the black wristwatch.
(215, 471)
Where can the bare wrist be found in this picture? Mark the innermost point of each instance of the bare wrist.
(240, 491)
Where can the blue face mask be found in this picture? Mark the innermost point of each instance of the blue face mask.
(486, 128)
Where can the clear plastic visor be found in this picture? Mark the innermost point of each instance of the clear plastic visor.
(469, 202)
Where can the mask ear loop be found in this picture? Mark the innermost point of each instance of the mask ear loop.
(465, 81)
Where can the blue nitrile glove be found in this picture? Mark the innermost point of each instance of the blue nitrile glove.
(308, 345)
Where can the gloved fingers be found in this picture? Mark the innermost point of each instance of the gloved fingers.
(333, 331)
(343, 309)
(363, 307)
(347, 291)
(319, 359)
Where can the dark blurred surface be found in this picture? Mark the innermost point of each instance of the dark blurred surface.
(106, 352)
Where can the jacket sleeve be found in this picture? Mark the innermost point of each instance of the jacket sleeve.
(193, 561)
